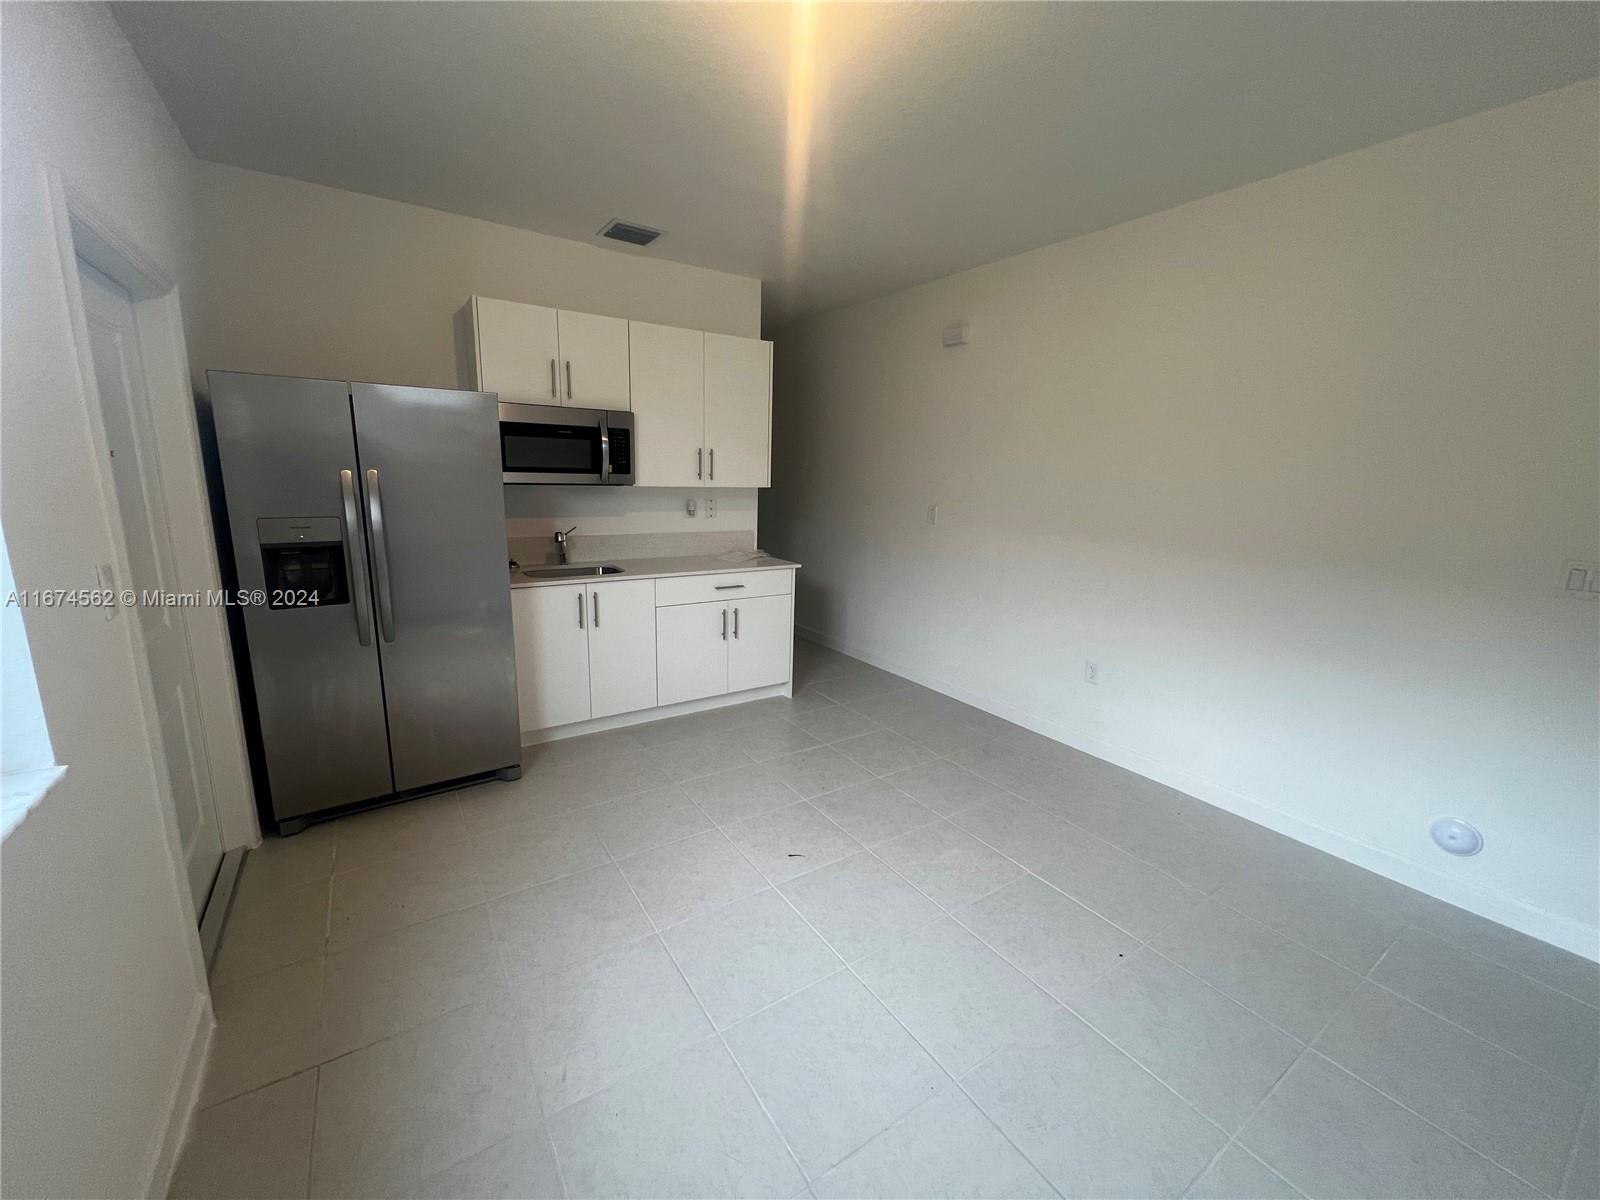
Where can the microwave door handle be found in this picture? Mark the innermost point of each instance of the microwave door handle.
(605, 452)
(380, 555)
(355, 560)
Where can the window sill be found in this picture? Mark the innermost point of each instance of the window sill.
(21, 791)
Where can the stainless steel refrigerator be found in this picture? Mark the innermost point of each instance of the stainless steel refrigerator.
(368, 530)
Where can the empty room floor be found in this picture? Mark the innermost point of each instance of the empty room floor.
(870, 942)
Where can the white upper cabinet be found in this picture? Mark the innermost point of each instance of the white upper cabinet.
(738, 411)
(668, 366)
(594, 360)
(704, 400)
(535, 355)
(516, 350)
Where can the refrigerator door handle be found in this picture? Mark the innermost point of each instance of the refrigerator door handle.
(380, 555)
(355, 560)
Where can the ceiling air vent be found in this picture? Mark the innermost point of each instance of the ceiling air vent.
(634, 235)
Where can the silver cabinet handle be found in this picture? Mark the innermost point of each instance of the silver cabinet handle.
(594, 598)
(554, 395)
(380, 555)
(727, 587)
(711, 464)
(700, 462)
(355, 560)
(580, 608)
(569, 379)
(736, 622)
(724, 624)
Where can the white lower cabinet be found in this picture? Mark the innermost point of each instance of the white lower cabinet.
(760, 642)
(622, 647)
(691, 652)
(591, 650)
(551, 629)
(584, 650)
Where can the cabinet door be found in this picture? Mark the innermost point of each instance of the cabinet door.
(551, 626)
(622, 646)
(761, 642)
(594, 360)
(738, 411)
(668, 367)
(691, 652)
(516, 346)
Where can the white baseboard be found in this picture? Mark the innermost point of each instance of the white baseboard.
(1494, 906)
(182, 1098)
(537, 737)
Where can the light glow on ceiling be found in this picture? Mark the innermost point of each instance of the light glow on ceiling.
(797, 143)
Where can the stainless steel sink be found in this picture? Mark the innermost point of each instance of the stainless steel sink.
(569, 572)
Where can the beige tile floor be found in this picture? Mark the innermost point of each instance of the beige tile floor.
(870, 942)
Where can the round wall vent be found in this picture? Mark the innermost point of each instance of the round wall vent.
(1455, 836)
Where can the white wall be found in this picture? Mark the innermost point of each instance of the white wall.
(310, 280)
(1296, 464)
(103, 988)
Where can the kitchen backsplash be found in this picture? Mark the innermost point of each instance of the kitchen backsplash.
(626, 522)
(597, 546)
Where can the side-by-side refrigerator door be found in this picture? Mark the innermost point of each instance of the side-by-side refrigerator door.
(435, 509)
(292, 483)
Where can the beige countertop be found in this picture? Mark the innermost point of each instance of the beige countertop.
(659, 568)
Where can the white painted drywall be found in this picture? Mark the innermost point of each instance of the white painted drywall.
(1296, 464)
(310, 280)
(103, 1003)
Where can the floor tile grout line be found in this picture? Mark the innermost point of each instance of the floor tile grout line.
(1397, 1102)
(1305, 1048)
(1591, 1098)
(1304, 1044)
(1408, 921)
(1547, 986)
(1308, 1045)
(951, 914)
(918, 1041)
(522, 1040)
(1476, 1036)
(715, 1029)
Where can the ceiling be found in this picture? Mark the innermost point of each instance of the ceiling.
(835, 151)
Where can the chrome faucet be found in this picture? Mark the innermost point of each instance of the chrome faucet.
(561, 544)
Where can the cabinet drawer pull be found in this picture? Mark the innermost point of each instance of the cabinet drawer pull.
(728, 587)
(700, 462)
(569, 379)
(711, 463)
(554, 395)
(736, 622)
(580, 610)
(724, 624)
(595, 597)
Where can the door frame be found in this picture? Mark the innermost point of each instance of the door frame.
(84, 231)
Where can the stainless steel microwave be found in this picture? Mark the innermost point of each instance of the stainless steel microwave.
(545, 443)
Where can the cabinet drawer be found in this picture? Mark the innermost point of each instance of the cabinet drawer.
(697, 589)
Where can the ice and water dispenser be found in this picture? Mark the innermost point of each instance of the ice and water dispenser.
(302, 558)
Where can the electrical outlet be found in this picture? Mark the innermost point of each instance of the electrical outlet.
(690, 507)
(1091, 672)
(933, 514)
(711, 508)
(1580, 580)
